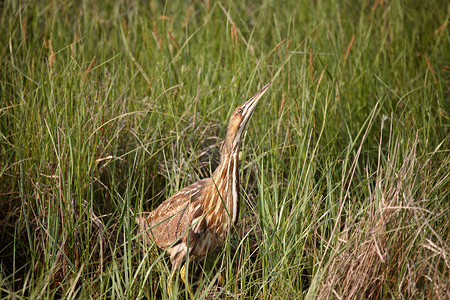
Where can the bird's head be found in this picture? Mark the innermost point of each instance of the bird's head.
(241, 117)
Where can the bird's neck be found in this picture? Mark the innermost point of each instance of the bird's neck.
(224, 204)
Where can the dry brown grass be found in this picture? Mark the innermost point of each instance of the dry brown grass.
(392, 249)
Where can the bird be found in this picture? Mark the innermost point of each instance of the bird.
(196, 220)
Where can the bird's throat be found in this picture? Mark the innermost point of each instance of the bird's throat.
(223, 208)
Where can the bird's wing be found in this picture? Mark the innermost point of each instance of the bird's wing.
(171, 220)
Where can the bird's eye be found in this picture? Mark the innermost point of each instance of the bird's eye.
(240, 112)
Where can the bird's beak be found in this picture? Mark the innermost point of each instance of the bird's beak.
(249, 106)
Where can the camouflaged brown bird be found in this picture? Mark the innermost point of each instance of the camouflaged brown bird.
(196, 219)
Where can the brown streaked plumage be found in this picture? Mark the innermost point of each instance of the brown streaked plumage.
(196, 219)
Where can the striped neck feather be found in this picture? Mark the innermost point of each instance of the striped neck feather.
(225, 190)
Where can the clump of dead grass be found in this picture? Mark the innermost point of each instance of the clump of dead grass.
(392, 250)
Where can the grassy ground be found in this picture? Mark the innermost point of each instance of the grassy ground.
(109, 107)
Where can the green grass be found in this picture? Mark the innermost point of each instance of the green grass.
(109, 107)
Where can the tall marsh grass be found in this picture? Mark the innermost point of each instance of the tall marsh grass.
(107, 108)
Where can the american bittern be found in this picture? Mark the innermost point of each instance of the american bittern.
(195, 220)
